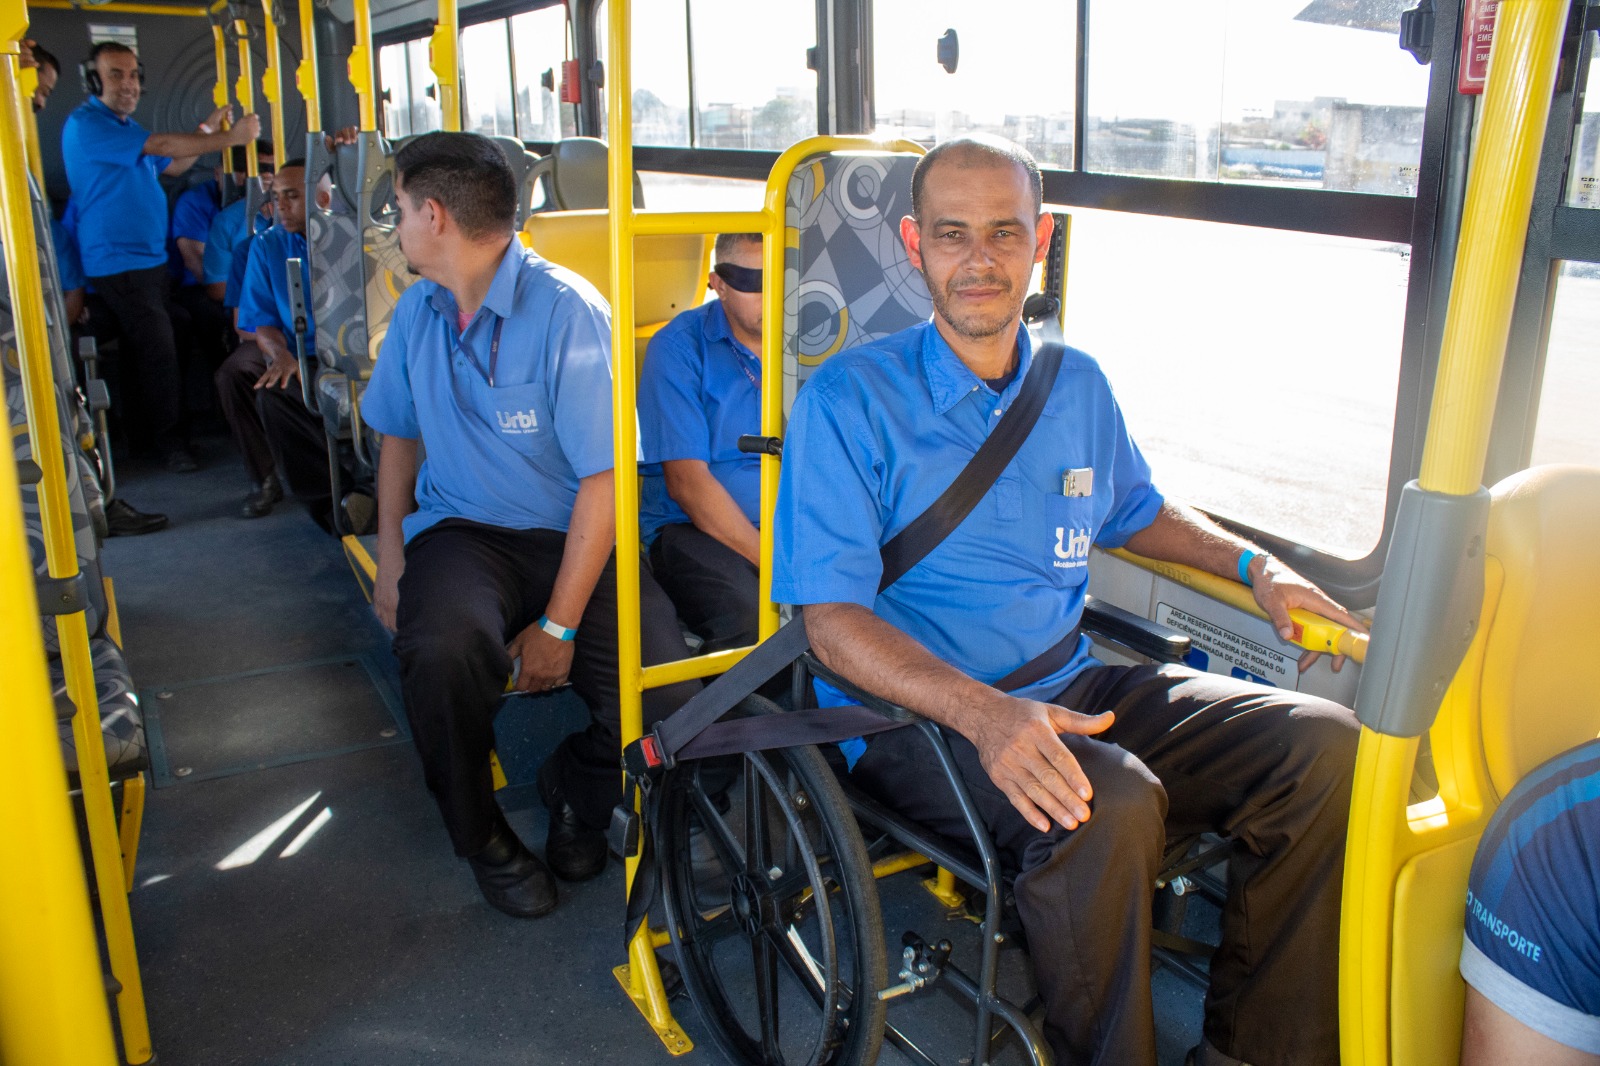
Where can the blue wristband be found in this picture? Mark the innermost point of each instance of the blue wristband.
(560, 632)
(1245, 558)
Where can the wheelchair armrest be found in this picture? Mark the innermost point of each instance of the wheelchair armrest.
(889, 710)
(1133, 632)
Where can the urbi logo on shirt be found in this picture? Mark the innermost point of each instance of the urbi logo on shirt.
(1072, 548)
(518, 421)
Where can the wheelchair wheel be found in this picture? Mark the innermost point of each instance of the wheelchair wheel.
(772, 908)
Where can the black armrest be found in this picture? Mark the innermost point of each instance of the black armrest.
(889, 710)
(1133, 632)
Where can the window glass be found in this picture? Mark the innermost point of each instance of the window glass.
(1251, 384)
(694, 192)
(1002, 84)
(425, 114)
(661, 73)
(538, 45)
(1567, 431)
(1583, 184)
(394, 88)
(486, 105)
(752, 88)
(1265, 91)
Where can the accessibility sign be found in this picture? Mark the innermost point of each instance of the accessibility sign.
(1234, 655)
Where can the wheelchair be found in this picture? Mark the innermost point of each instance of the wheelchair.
(790, 903)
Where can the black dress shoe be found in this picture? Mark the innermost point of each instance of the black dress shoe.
(123, 521)
(180, 460)
(574, 851)
(511, 878)
(259, 503)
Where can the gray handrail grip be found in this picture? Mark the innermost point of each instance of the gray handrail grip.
(297, 308)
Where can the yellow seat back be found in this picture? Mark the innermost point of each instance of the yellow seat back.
(669, 271)
(1521, 695)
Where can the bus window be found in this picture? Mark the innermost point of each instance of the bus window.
(538, 46)
(747, 90)
(395, 79)
(1257, 368)
(1015, 77)
(425, 114)
(1254, 93)
(486, 97)
(1566, 431)
(1583, 183)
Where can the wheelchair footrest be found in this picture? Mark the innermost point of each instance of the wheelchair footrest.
(920, 966)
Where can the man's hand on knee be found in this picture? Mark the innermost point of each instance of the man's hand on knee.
(1023, 755)
(546, 660)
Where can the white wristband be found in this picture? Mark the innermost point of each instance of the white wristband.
(560, 632)
(206, 129)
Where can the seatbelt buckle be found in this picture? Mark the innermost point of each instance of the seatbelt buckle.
(646, 757)
(623, 835)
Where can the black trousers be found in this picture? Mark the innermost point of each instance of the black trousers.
(236, 381)
(299, 445)
(1189, 752)
(137, 299)
(466, 591)
(714, 588)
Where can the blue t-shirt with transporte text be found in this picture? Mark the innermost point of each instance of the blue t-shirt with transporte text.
(1533, 902)
(879, 432)
(68, 264)
(225, 234)
(122, 210)
(699, 391)
(264, 295)
(507, 436)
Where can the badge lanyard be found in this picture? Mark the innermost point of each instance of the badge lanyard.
(494, 346)
(744, 365)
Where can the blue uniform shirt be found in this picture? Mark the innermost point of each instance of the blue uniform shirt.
(191, 218)
(508, 438)
(122, 212)
(1533, 902)
(700, 389)
(67, 262)
(880, 431)
(224, 234)
(264, 296)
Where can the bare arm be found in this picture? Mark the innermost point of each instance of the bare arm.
(1017, 739)
(1491, 1037)
(74, 301)
(710, 508)
(184, 148)
(217, 290)
(282, 366)
(397, 489)
(591, 535)
(194, 255)
(1181, 534)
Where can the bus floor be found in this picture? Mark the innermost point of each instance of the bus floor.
(296, 900)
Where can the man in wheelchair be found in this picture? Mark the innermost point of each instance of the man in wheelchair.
(1082, 772)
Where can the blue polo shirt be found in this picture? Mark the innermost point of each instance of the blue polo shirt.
(68, 265)
(122, 211)
(700, 389)
(1532, 942)
(505, 446)
(264, 296)
(223, 235)
(191, 218)
(879, 432)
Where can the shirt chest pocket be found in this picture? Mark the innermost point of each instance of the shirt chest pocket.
(1070, 523)
(519, 416)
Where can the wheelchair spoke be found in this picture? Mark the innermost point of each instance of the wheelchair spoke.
(756, 839)
(729, 850)
(765, 961)
(709, 929)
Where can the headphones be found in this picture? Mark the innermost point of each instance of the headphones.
(92, 82)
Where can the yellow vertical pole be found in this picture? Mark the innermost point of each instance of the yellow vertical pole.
(27, 85)
(272, 75)
(360, 67)
(219, 41)
(27, 302)
(52, 1004)
(305, 75)
(444, 56)
(245, 90)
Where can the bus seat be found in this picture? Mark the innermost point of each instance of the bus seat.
(848, 280)
(524, 168)
(574, 176)
(669, 271)
(1521, 695)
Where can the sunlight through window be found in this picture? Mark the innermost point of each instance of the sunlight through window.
(256, 846)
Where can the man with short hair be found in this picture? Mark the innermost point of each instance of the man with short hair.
(49, 68)
(496, 552)
(229, 228)
(113, 165)
(700, 501)
(1080, 774)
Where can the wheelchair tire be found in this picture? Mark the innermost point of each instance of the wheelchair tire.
(784, 958)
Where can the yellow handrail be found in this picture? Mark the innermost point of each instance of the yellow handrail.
(27, 85)
(444, 56)
(117, 7)
(27, 303)
(219, 43)
(359, 68)
(305, 75)
(245, 89)
(272, 76)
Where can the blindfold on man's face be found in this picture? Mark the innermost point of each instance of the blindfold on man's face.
(742, 279)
